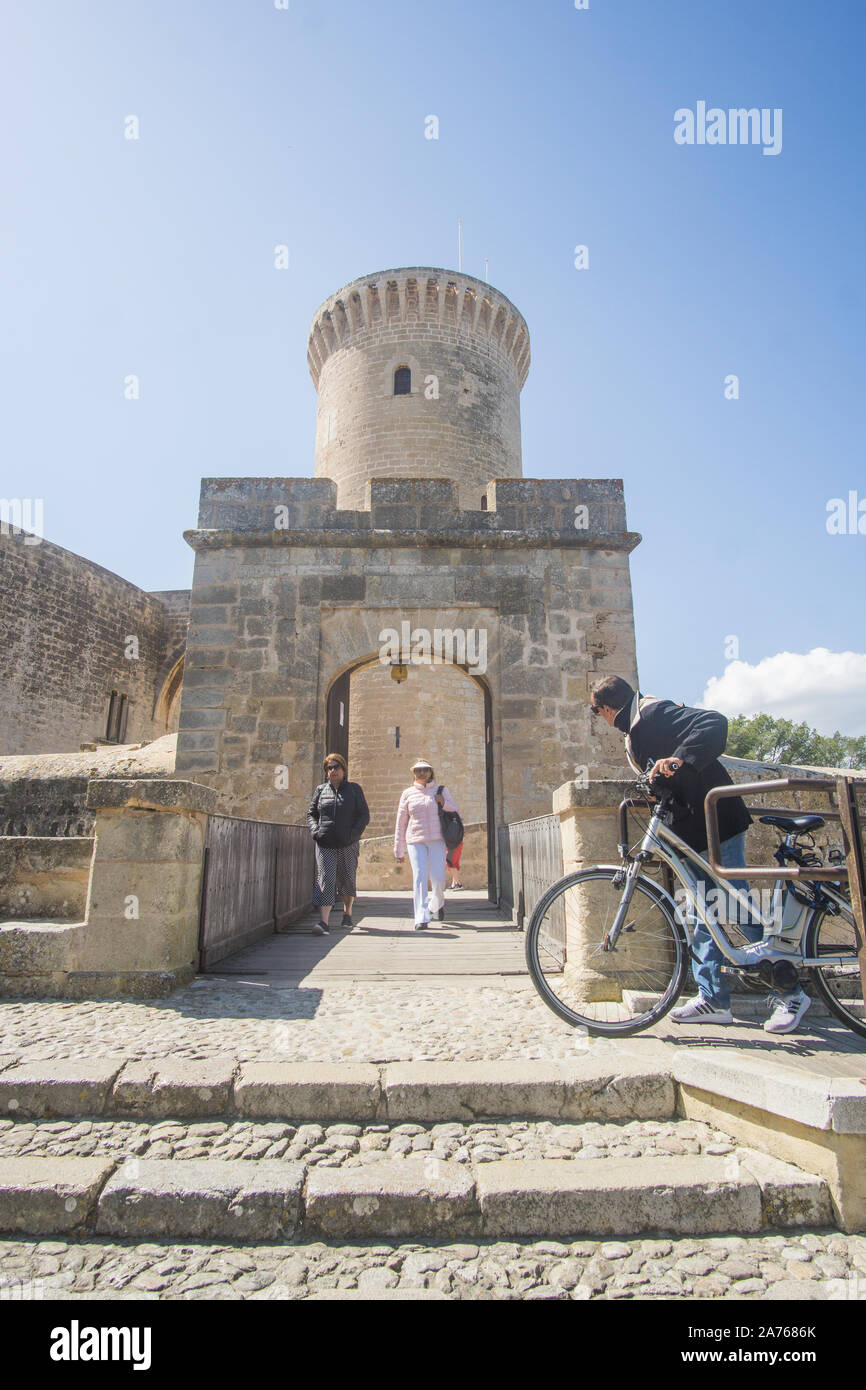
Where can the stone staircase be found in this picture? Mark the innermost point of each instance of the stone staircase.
(225, 1151)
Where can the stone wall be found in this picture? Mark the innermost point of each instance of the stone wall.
(289, 593)
(467, 349)
(43, 878)
(66, 624)
(378, 870)
(440, 714)
(46, 794)
(139, 935)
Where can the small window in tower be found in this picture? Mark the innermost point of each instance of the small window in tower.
(484, 503)
(115, 730)
(403, 382)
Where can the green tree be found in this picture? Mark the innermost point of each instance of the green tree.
(782, 741)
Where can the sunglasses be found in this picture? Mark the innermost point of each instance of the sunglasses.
(332, 767)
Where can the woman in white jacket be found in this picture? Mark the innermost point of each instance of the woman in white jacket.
(419, 831)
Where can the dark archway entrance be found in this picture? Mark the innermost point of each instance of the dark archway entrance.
(338, 739)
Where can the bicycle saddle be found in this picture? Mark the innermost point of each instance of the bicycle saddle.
(790, 824)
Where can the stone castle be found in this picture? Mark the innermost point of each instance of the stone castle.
(418, 521)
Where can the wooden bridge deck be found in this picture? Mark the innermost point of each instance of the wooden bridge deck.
(475, 940)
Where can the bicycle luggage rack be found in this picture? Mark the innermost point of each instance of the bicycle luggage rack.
(852, 833)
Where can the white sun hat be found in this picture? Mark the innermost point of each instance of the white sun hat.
(421, 762)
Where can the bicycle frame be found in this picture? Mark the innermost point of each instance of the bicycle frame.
(662, 843)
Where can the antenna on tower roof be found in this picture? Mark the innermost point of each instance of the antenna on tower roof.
(486, 266)
(459, 244)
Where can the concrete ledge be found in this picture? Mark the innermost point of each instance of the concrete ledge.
(95, 984)
(50, 1196)
(69, 1088)
(149, 794)
(207, 1199)
(425, 1092)
(583, 1089)
(308, 1090)
(127, 984)
(417, 1196)
(817, 1101)
(602, 795)
(187, 1089)
(39, 949)
(555, 1197)
(789, 1197)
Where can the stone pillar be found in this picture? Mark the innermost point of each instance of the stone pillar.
(141, 935)
(589, 825)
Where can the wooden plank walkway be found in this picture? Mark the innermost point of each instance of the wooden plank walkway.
(475, 940)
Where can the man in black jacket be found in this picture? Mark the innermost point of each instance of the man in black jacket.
(683, 745)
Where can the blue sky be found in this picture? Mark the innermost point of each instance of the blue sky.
(261, 126)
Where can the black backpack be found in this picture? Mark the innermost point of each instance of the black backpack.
(452, 825)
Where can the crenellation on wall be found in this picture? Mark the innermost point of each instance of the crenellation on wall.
(579, 512)
(467, 349)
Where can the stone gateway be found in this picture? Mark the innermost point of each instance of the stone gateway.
(418, 520)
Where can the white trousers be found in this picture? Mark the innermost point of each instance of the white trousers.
(427, 861)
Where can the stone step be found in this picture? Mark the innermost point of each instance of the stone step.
(421, 1195)
(586, 1088)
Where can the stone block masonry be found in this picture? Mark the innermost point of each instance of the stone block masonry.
(438, 714)
(65, 627)
(466, 348)
(280, 611)
(139, 933)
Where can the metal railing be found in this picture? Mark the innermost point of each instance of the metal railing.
(530, 860)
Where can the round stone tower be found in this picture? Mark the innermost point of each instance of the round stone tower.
(419, 373)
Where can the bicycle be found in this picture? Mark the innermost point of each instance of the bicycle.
(608, 947)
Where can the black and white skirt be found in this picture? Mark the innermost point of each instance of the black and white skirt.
(336, 871)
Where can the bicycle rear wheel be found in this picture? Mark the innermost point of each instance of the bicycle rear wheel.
(839, 986)
(609, 993)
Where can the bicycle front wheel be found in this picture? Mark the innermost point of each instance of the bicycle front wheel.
(609, 993)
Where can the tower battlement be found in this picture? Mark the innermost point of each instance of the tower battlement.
(567, 511)
(418, 373)
(421, 295)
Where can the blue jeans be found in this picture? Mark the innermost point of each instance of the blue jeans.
(707, 968)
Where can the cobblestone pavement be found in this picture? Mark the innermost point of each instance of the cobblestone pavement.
(350, 1145)
(366, 1022)
(371, 1022)
(811, 1265)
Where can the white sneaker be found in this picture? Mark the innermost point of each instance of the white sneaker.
(788, 1011)
(700, 1010)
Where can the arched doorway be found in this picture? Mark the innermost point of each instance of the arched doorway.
(443, 712)
(166, 713)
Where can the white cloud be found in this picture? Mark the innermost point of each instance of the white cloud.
(826, 689)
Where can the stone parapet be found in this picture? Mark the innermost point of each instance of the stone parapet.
(149, 794)
(577, 512)
(139, 934)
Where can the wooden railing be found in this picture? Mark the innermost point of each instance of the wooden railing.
(257, 877)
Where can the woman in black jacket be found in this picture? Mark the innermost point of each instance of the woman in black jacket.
(337, 818)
